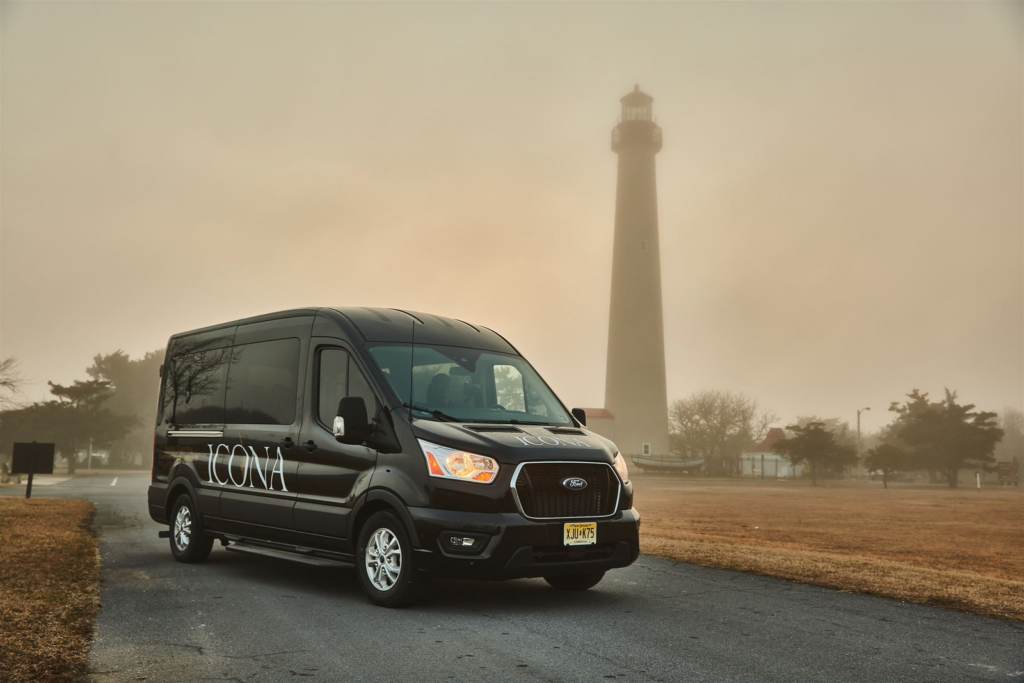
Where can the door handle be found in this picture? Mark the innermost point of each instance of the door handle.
(310, 445)
(286, 442)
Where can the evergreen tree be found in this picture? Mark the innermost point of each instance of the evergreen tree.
(946, 436)
(888, 459)
(817, 447)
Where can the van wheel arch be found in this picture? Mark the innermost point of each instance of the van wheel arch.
(179, 486)
(374, 501)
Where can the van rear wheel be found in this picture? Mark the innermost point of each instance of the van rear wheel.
(384, 562)
(188, 542)
(575, 582)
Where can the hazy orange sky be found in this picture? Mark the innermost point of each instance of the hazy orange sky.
(841, 187)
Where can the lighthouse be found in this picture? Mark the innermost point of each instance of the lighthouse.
(636, 401)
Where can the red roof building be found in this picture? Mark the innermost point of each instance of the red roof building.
(774, 434)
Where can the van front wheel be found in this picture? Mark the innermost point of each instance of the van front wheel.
(575, 582)
(384, 561)
(188, 542)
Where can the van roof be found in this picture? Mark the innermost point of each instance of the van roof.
(389, 325)
(396, 325)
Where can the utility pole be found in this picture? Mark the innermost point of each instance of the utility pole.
(859, 456)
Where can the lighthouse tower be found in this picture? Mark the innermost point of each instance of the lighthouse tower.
(635, 393)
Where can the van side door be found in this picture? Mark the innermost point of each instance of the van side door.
(258, 466)
(332, 475)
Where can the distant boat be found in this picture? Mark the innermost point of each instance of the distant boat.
(665, 463)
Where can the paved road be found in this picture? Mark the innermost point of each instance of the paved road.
(245, 618)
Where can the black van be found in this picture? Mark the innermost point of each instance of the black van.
(405, 443)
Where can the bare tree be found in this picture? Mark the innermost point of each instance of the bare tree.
(717, 426)
(762, 422)
(11, 383)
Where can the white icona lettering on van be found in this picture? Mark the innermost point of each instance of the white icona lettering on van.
(211, 464)
(255, 464)
(252, 461)
(245, 467)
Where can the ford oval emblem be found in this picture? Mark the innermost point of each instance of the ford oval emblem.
(575, 483)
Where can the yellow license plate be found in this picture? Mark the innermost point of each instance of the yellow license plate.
(580, 533)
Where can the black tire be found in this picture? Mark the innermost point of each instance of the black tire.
(575, 582)
(188, 544)
(397, 586)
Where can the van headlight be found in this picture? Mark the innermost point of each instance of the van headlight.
(449, 463)
(620, 467)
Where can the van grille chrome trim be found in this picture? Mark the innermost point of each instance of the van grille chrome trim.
(208, 433)
(561, 498)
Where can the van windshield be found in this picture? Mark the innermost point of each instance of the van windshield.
(469, 384)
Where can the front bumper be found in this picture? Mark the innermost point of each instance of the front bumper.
(519, 548)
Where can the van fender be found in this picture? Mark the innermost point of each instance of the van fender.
(180, 480)
(384, 496)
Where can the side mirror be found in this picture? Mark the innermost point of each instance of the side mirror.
(352, 426)
(580, 415)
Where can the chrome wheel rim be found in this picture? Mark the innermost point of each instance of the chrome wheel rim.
(182, 528)
(383, 559)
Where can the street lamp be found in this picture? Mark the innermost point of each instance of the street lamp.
(858, 429)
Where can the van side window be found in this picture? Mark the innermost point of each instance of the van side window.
(340, 377)
(194, 387)
(262, 383)
(359, 386)
(333, 383)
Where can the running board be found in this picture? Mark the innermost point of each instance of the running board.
(238, 547)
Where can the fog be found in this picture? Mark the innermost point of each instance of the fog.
(841, 188)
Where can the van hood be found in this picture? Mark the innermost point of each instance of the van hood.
(513, 444)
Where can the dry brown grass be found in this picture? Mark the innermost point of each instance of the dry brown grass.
(962, 548)
(49, 588)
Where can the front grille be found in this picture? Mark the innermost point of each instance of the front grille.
(541, 494)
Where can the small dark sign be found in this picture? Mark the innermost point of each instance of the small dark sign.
(1008, 473)
(32, 458)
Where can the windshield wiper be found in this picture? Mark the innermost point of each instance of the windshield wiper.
(436, 413)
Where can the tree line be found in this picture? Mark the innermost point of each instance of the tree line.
(940, 437)
(112, 411)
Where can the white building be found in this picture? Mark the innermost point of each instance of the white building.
(761, 462)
